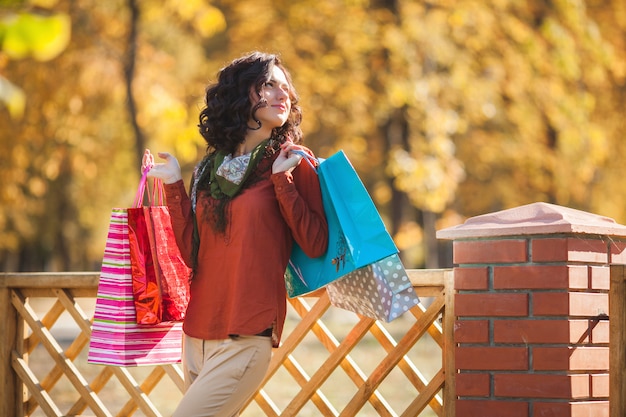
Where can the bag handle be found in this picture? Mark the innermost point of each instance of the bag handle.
(141, 189)
(158, 194)
(307, 158)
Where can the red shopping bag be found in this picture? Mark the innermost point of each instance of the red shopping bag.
(174, 273)
(160, 276)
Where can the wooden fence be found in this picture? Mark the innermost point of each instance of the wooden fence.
(330, 362)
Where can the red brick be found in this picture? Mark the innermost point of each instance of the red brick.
(540, 277)
(471, 278)
(571, 409)
(531, 331)
(486, 408)
(471, 331)
(600, 385)
(588, 331)
(491, 358)
(541, 386)
(472, 385)
(600, 277)
(489, 251)
(618, 252)
(570, 304)
(550, 304)
(586, 304)
(599, 331)
(491, 304)
(569, 250)
(551, 331)
(570, 359)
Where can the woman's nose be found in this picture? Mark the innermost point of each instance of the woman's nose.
(282, 94)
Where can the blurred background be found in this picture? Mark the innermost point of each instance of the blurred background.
(447, 109)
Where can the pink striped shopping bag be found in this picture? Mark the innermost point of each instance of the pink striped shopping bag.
(116, 338)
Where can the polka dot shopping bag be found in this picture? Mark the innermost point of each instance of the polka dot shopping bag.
(381, 290)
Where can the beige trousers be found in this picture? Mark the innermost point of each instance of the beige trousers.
(220, 375)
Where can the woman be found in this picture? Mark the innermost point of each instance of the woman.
(251, 198)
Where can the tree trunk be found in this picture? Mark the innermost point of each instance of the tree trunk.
(129, 74)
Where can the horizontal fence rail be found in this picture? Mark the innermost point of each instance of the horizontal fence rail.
(330, 363)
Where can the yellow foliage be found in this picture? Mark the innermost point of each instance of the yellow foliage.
(13, 97)
(209, 22)
(462, 107)
(409, 235)
(42, 37)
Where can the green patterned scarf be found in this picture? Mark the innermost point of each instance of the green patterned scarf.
(220, 186)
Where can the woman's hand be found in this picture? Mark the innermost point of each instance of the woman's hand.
(287, 160)
(169, 171)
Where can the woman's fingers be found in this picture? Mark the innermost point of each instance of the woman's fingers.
(147, 160)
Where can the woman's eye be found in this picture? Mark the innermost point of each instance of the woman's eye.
(269, 84)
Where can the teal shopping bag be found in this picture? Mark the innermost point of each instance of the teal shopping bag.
(356, 232)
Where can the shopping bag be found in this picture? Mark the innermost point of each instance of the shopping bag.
(116, 338)
(381, 290)
(160, 276)
(175, 273)
(146, 287)
(357, 234)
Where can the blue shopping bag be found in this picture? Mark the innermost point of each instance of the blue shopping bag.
(357, 234)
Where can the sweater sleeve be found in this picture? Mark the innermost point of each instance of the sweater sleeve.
(181, 217)
(300, 200)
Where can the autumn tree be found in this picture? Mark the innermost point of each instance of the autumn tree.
(447, 109)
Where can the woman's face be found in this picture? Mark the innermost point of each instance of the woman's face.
(278, 104)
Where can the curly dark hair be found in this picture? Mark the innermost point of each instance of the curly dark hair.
(224, 120)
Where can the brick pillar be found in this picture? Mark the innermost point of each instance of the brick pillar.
(531, 311)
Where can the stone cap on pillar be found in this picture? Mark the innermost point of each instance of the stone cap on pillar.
(534, 219)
